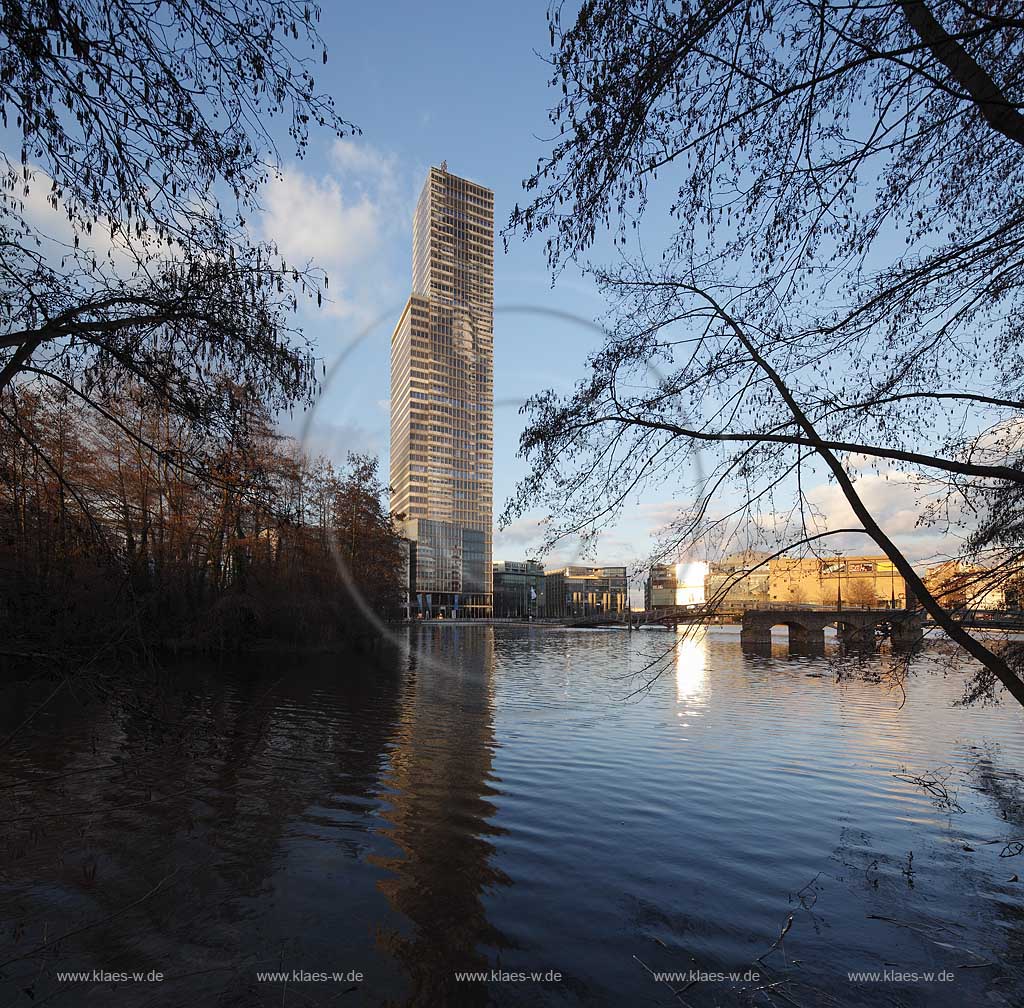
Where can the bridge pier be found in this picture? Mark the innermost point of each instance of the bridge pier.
(906, 634)
(755, 636)
(861, 637)
(806, 640)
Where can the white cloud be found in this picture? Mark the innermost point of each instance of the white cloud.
(659, 515)
(361, 159)
(884, 496)
(351, 220)
(311, 220)
(523, 539)
(1001, 444)
(524, 535)
(57, 234)
(899, 502)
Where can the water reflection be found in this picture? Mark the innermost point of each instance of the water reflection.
(485, 800)
(177, 809)
(439, 810)
(691, 665)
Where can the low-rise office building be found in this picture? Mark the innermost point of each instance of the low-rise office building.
(960, 584)
(585, 591)
(740, 580)
(852, 581)
(660, 587)
(518, 589)
(670, 585)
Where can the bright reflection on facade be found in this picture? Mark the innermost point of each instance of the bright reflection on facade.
(690, 667)
(690, 582)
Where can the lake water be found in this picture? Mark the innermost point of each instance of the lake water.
(494, 799)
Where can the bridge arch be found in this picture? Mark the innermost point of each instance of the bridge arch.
(854, 627)
(851, 631)
(804, 633)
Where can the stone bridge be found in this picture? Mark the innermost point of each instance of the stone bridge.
(855, 627)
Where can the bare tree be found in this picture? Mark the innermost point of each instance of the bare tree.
(111, 536)
(125, 251)
(861, 593)
(840, 285)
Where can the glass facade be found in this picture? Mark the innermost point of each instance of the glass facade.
(585, 591)
(449, 573)
(519, 589)
(729, 584)
(660, 587)
(442, 391)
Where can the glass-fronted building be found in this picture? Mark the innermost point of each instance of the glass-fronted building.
(739, 581)
(518, 589)
(585, 591)
(442, 398)
(660, 587)
(447, 569)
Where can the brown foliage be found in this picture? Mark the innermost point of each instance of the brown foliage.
(146, 129)
(127, 528)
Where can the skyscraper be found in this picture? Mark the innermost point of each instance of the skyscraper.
(442, 398)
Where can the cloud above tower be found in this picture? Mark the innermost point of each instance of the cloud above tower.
(346, 219)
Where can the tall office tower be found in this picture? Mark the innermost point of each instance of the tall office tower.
(442, 399)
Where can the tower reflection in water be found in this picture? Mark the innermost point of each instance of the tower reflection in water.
(442, 782)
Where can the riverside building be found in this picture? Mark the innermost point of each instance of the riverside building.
(442, 400)
(585, 591)
(852, 581)
(670, 585)
(518, 589)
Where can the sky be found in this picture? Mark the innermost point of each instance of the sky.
(466, 84)
(456, 82)
(463, 83)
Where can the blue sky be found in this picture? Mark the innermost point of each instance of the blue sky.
(453, 82)
(462, 83)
